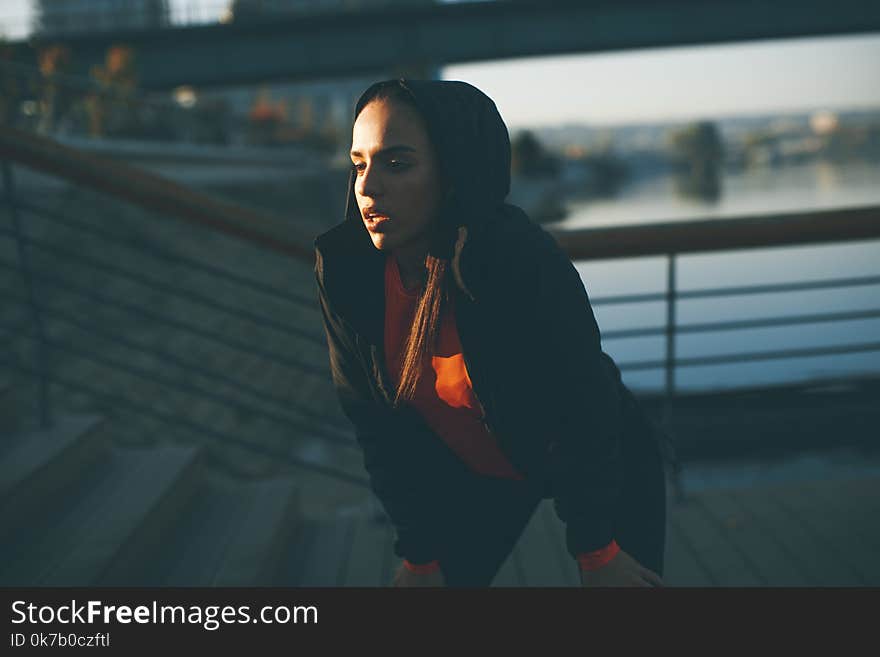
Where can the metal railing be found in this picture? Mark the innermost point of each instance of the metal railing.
(179, 375)
(674, 239)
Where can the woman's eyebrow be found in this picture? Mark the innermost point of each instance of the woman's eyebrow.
(390, 149)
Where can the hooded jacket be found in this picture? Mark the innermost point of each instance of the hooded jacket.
(553, 399)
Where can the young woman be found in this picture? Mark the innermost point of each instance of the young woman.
(464, 350)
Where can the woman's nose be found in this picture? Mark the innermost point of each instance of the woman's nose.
(370, 183)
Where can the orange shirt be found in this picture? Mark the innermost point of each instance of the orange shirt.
(444, 395)
(445, 398)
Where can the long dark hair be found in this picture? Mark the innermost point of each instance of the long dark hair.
(422, 339)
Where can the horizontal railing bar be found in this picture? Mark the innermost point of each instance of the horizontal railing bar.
(780, 287)
(622, 334)
(292, 296)
(778, 321)
(115, 400)
(786, 353)
(247, 348)
(636, 365)
(95, 329)
(628, 298)
(146, 375)
(168, 289)
(728, 234)
(739, 290)
(743, 324)
(758, 355)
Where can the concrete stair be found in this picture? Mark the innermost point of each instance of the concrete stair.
(78, 510)
(40, 466)
(123, 500)
(319, 555)
(229, 534)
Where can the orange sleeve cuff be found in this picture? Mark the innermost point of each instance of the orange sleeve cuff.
(422, 569)
(598, 558)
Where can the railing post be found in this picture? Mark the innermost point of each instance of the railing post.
(670, 332)
(9, 191)
(677, 483)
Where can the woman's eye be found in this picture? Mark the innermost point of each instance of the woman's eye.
(392, 164)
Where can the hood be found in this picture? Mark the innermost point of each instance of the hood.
(473, 148)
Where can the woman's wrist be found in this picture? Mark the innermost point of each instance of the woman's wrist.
(598, 558)
(422, 569)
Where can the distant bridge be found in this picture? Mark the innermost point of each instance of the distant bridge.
(407, 40)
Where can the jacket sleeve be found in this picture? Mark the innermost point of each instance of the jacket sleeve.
(392, 459)
(585, 441)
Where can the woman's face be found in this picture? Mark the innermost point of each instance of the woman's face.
(397, 177)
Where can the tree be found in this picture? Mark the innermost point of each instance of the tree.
(697, 155)
(529, 158)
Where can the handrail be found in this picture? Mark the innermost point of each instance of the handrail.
(663, 238)
(149, 191)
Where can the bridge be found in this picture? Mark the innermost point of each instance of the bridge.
(412, 40)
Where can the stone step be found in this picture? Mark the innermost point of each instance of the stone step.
(319, 554)
(125, 500)
(370, 553)
(231, 533)
(542, 565)
(38, 466)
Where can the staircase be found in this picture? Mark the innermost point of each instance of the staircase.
(79, 510)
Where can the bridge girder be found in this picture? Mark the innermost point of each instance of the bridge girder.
(405, 39)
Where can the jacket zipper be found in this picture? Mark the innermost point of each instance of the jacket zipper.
(472, 374)
(484, 415)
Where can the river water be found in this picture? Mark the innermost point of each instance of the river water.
(787, 189)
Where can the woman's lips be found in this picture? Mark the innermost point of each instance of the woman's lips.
(376, 222)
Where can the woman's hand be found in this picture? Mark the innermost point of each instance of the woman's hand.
(407, 579)
(622, 570)
(456, 260)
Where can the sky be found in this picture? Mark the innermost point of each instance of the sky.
(651, 85)
(683, 83)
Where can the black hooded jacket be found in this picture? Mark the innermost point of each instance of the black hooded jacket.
(553, 399)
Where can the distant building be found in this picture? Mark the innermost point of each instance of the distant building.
(54, 17)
